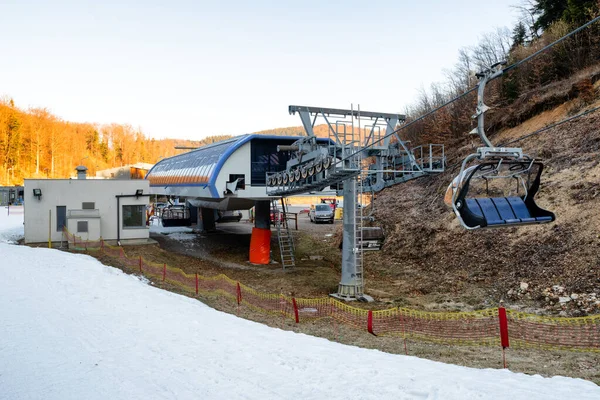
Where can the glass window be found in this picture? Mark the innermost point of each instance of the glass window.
(133, 216)
(82, 226)
(88, 206)
(265, 158)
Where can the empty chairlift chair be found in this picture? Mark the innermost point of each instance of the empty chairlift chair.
(499, 191)
(509, 202)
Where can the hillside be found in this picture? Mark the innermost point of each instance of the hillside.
(321, 130)
(431, 260)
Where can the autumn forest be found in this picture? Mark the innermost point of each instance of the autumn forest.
(36, 144)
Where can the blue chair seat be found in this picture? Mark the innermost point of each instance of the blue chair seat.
(503, 211)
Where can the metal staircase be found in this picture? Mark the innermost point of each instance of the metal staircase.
(284, 234)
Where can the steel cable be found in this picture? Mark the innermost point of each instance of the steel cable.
(512, 66)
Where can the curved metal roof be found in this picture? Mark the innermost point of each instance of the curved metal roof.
(200, 167)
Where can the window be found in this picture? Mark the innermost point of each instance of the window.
(265, 158)
(133, 216)
(88, 205)
(61, 218)
(242, 183)
(82, 226)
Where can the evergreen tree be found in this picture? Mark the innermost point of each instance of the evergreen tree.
(571, 11)
(519, 35)
(548, 12)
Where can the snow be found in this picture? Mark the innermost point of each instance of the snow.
(72, 328)
(179, 233)
(11, 224)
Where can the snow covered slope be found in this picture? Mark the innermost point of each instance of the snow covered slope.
(71, 328)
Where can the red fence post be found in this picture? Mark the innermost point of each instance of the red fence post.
(295, 310)
(141, 264)
(503, 320)
(239, 293)
(370, 323)
(164, 271)
(503, 327)
(196, 283)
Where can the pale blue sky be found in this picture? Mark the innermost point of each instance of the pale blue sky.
(190, 69)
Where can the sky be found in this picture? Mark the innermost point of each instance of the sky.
(191, 69)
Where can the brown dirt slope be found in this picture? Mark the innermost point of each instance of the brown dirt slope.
(428, 255)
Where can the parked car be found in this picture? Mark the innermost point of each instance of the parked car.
(229, 216)
(321, 213)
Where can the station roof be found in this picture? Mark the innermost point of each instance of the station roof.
(200, 167)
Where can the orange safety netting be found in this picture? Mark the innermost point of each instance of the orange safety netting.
(483, 328)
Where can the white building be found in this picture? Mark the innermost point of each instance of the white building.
(111, 209)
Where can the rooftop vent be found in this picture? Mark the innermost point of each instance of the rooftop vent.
(81, 172)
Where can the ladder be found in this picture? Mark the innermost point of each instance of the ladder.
(358, 233)
(284, 234)
(358, 161)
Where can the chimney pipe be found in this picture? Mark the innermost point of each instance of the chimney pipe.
(81, 172)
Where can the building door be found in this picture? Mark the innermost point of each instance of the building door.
(61, 217)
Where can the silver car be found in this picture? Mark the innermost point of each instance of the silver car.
(321, 213)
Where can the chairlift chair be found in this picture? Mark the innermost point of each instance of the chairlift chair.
(514, 178)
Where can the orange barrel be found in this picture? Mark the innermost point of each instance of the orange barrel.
(260, 246)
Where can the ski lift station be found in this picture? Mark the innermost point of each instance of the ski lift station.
(357, 159)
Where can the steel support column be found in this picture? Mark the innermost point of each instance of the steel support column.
(206, 220)
(262, 214)
(351, 286)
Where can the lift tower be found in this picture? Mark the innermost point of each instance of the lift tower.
(354, 136)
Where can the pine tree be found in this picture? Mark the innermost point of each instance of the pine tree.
(570, 11)
(519, 35)
(548, 12)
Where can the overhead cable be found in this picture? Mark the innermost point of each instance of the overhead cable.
(512, 66)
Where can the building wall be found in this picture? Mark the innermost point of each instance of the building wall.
(239, 163)
(72, 193)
